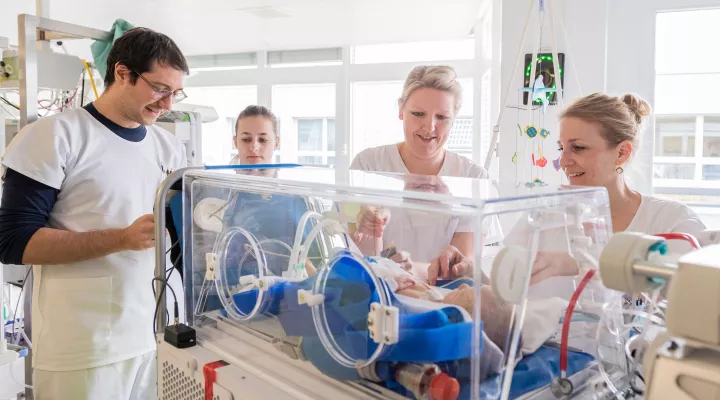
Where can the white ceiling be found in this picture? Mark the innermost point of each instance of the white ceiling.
(227, 26)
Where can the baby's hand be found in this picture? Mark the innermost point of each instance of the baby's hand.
(404, 282)
(403, 258)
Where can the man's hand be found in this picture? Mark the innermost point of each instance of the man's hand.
(449, 264)
(140, 235)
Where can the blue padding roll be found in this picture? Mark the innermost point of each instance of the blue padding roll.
(343, 300)
(349, 291)
(347, 303)
(348, 295)
(423, 337)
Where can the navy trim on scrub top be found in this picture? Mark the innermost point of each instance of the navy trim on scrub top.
(131, 134)
(27, 203)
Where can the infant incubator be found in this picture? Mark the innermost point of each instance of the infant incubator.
(289, 300)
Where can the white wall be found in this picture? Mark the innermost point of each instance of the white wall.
(8, 17)
(290, 102)
(630, 68)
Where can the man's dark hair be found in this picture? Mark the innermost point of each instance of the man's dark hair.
(258, 111)
(138, 49)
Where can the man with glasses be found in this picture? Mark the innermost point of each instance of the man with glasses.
(79, 189)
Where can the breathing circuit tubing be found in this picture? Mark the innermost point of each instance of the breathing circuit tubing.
(680, 236)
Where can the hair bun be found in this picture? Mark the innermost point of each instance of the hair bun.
(638, 106)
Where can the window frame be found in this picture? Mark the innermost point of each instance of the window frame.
(698, 160)
(324, 153)
(343, 75)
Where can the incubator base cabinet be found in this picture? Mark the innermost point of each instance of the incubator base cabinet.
(304, 283)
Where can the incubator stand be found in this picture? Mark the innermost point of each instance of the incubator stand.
(294, 295)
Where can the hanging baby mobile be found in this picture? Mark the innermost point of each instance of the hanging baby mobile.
(536, 99)
(543, 81)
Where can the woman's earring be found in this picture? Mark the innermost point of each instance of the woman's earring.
(619, 170)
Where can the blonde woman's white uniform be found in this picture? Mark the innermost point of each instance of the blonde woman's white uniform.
(424, 247)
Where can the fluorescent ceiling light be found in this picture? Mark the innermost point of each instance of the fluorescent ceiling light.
(266, 12)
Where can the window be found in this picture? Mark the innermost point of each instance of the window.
(306, 114)
(222, 62)
(330, 135)
(316, 141)
(304, 58)
(375, 119)
(687, 129)
(368, 77)
(687, 149)
(217, 143)
(310, 134)
(711, 137)
(463, 49)
(675, 137)
(485, 110)
(461, 137)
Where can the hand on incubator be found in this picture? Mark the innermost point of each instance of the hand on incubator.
(549, 264)
(140, 235)
(371, 222)
(449, 264)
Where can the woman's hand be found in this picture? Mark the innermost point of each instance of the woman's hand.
(371, 222)
(450, 263)
(549, 264)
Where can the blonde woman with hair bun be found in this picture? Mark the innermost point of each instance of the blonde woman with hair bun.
(599, 135)
(429, 102)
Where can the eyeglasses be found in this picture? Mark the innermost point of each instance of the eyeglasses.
(161, 94)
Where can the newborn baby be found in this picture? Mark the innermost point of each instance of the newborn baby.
(495, 314)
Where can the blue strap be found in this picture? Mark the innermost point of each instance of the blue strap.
(423, 336)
